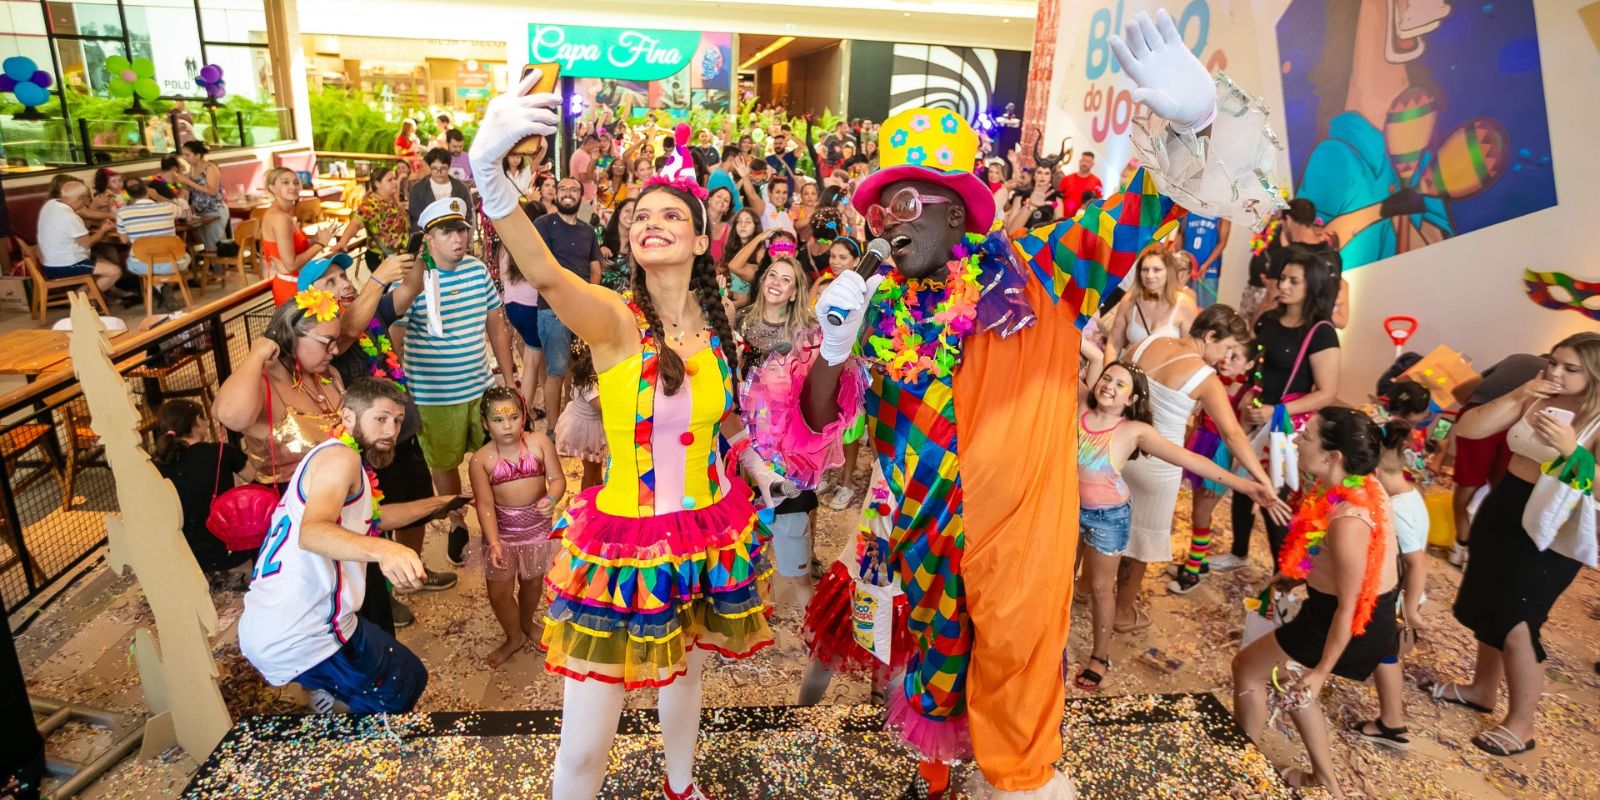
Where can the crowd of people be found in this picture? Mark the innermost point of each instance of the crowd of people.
(689, 327)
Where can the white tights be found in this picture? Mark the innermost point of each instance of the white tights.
(589, 713)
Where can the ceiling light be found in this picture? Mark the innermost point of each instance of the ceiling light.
(777, 43)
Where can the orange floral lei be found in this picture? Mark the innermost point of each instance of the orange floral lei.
(1310, 526)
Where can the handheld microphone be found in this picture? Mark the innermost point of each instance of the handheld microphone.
(877, 251)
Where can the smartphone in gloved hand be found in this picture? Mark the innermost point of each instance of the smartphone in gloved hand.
(534, 147)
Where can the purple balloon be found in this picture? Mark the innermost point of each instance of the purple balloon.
(7, 83)
(211, 72)
(42, 79)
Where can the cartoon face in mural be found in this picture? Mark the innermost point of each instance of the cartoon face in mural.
(1410, 22)
(1411, 121)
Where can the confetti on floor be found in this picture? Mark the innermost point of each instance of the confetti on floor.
(1168, 746)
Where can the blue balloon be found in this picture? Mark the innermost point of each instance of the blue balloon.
(20, 68)
(31, 95)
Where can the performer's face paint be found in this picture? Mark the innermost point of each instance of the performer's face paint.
(921, 247)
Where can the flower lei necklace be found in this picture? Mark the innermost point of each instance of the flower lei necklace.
(913, 341)
(372, 481)
(1310, 526)
(382, 360)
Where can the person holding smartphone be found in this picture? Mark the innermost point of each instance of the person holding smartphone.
(1510, 584)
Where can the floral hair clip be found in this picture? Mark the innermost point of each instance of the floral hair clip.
(318, 304)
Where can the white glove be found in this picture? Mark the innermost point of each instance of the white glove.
(774, 488)
(509, 119)
(849, 293)
(1172, 82)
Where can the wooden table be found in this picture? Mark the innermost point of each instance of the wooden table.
(240, 208)
(33, 351)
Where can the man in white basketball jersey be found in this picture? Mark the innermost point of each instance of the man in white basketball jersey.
(299, 621)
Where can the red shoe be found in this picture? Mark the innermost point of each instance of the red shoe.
(691, 793)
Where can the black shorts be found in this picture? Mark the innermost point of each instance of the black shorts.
(1303, 637)
(407, 477)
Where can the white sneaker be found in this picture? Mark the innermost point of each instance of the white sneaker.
(1458, 555)
(842, 498)
(321, 701)
(1227, 562)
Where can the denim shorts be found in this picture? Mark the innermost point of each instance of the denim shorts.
(557, 342)
(372, 673)
(1106, 529)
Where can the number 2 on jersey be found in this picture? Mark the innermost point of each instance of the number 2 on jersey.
(269, 565)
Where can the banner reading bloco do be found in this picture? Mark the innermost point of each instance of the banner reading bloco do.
(618, 53)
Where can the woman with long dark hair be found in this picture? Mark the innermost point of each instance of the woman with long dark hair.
(187, 453)
(744, 229)
(663, 361)
(1298, 365)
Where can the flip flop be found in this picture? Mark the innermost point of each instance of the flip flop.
(1089, 680)
(1141, 620)
(1451, 693)
(1385, 735)
(1500, 741)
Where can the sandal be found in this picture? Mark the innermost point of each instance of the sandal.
(1500, 741)
(1297, 778)
(1088, 680)
(1385, 735)
(1141, 620)
(1451, 693)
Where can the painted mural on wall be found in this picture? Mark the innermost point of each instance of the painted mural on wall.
(1413, 121)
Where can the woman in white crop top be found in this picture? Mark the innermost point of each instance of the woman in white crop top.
(1509, 584)
(1154, 308)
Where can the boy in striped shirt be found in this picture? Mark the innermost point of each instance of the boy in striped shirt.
(446, 356)
(145, 216)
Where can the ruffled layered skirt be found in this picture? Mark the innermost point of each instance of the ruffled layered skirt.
(631, 596)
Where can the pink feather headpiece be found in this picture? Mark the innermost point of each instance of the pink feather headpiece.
(679, 170)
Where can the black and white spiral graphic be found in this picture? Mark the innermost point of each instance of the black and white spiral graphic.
(958, 78)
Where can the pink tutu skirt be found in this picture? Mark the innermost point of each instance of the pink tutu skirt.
(525, 540)
(580, 435)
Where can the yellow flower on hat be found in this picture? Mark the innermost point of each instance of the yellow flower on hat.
(318, 304)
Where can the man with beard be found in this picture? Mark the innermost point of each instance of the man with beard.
(985, 517)
(299, 622)
(576, 248)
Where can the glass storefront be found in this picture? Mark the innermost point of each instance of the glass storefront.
(124, 80)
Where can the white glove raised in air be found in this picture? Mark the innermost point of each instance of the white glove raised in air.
(1172, 82)
(509, 119)
(849, 293)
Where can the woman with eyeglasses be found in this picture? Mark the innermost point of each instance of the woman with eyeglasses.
(284, 398)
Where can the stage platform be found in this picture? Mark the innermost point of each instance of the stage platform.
(1171, 746)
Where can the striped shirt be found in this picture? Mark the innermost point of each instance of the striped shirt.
(147, 218)
(454, 368)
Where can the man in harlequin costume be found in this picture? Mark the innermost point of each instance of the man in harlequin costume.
(969, 369)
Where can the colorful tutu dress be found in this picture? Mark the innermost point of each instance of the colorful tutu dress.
(664, 556)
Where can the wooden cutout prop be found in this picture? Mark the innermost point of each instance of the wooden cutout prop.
(159, 736)
(1440, 372)
(148, 536)
(1590, 14)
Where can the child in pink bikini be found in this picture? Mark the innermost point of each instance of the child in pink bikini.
(517, 482)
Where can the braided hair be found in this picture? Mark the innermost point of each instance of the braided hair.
(702, 281)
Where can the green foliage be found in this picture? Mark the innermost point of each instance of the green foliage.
(348, 122)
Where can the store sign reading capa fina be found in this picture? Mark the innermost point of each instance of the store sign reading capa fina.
(620, 53)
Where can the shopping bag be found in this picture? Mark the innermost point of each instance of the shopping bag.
(1275, 447)
(1560, 514)
(872, 618)
(1265, 613)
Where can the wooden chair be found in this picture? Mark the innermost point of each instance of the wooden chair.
(154, 250)
(42, 286)
(258, 212)
(247, 235)
(83, 447)
(308, 211)
(34, 437)
(346, 208)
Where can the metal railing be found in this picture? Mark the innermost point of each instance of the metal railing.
(55, 487)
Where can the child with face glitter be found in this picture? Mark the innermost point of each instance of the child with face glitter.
(516, 490)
